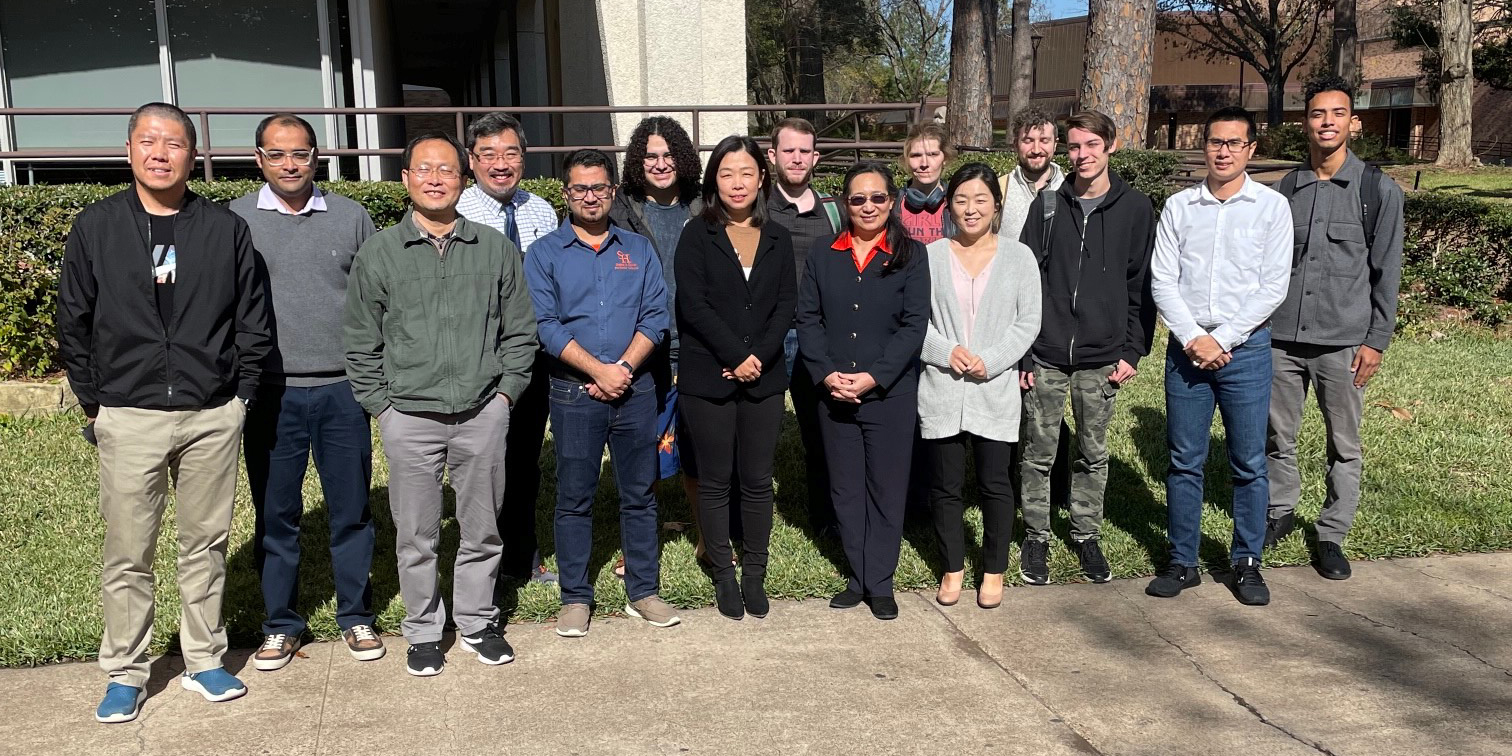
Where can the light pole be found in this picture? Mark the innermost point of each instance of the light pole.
(1034, 43)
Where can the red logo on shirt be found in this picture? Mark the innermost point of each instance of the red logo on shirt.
(625, 263)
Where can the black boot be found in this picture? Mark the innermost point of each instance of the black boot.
(753, 590)
(727, 598)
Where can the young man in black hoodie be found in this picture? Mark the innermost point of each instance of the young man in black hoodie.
(1093, 246)
(163, 327)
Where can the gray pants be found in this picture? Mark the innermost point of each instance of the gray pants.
(1092, 398)
(1327, 369)
(470, 447)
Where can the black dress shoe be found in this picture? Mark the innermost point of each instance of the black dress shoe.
(1249, 585)
(753, 591)
(727, 598)
(1279, 528)
(846, 599)
(1332, 563)
(1173, 580)
(883, 607)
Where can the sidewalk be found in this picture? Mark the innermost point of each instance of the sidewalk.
(1408, 657)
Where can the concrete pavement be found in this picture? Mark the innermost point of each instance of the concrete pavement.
(1410, 656)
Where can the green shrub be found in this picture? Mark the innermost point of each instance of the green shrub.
(1457, 253)
(1286, 141)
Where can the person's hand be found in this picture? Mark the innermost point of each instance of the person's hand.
(1122, 373)
(595, 392)
(978, 368)
(1026, 379)
(861, 383)
(612, 379)
(1204, 351)
(748, 371)
(960, 360)
(1222, 359)
(839, 385)
(1366, 362)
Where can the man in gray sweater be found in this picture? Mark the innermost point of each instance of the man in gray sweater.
(306, 240)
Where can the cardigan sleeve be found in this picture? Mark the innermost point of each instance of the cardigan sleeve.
(1021, 332)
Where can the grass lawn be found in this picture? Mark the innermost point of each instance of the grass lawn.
(1438, 478)
(1488, 182)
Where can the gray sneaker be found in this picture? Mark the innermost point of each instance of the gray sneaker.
(652, 609)
(572, 621)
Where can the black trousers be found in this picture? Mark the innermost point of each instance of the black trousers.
(522, 473)
(994, 465)
(869, 452)
(807, 398)
(734, 437)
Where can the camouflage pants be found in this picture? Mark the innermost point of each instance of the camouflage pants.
(1092, 398)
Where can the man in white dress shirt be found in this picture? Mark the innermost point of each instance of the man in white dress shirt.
(1222, 265)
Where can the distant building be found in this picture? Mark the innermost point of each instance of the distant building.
(359, 53)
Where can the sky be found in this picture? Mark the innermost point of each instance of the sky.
(1067, 8)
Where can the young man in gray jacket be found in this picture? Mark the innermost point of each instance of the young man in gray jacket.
(1338, 317)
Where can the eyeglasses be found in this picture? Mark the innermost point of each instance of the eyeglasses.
(577, 192)
(509, 155)
(654, 159)
(1233, 145)
(445, 172)
(277, 157)
(857, 200)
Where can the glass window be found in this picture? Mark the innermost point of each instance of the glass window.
(79, 53)
(256, 53)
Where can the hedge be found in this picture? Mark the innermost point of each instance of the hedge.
(1457, 251)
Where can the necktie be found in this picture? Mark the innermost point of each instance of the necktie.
(510, 228)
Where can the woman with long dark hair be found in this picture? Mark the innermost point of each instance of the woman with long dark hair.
(863, 309)
(736, 288)
(984, 313)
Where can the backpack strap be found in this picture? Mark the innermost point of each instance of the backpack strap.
(831, 209)
(1370, 202)
(1047, 222)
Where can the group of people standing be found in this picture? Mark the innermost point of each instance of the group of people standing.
(963, 312)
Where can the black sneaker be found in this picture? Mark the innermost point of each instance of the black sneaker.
(727, 598)
(489, 645)
(1034, 560)
(1249, 586)
(1279, 528)
(1093, 563)
(425, 659)
(1332, 563)
(883, 607)
(1173, 580)
(846, 599)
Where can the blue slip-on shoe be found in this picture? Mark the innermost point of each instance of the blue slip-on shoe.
(214, 684)
(122, 703)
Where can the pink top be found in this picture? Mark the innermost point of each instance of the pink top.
(969, 290)
(923, 226)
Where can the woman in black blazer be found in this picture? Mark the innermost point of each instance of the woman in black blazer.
(735, 296)
(863, 309)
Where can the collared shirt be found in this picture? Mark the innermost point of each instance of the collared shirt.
(805, 227)
(1342, 292)
(267, 200)
(534, 217)
(845, 243)
(1019, 194)
(599, 298)
(1221, 267)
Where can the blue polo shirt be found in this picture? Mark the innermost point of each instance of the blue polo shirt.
(598, 298)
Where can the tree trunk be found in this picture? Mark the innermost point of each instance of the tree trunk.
(1275, 100)
(1458, 88)
(1346, 38)
(973, 51)
(1021, 75)
(1116, 68)
(805, 59)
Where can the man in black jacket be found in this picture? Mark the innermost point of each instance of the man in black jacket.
(1094, 251)
(163, 327)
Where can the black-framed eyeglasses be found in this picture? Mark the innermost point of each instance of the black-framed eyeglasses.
(1233, 145)
(857, 200)
(277, 157)
(581, 191)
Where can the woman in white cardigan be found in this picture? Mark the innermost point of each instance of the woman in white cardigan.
(984, 315)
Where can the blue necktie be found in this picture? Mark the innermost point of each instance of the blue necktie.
(510, 228)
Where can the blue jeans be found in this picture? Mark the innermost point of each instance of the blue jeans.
(285, 425)
(790, 350)
(1241, 391)
(580, 426)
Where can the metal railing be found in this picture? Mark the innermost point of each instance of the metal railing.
(208, 153)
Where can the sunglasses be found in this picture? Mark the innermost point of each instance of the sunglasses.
(857, 200)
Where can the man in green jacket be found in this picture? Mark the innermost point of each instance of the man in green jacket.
(440, 340)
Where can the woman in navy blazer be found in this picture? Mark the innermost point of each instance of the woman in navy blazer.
(863, 309)
(736, 289)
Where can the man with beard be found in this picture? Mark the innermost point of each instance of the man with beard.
(1034, 141)
(496, 148)
(809, 216)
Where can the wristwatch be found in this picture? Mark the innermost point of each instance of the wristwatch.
(626, 365)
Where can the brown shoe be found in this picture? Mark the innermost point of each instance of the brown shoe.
(652, 609)
(619, 568)
(572, 621)
(990, 592)
(364, 643)
(276, 652)
(950, 588)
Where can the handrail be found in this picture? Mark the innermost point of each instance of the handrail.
(209, 154)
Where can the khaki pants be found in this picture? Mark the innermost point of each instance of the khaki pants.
(139, 450)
